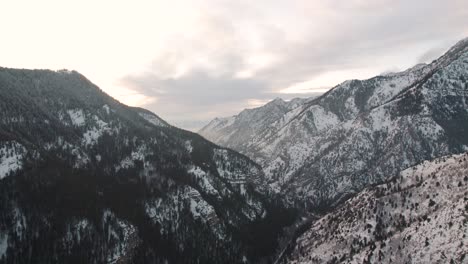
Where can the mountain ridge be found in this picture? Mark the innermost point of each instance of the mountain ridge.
(298, 149)
(74, 160)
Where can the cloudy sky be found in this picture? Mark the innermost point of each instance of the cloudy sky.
(190, 61)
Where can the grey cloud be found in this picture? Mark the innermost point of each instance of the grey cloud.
(344, 35)
(366, 32)
(431, 54)
(197, 88)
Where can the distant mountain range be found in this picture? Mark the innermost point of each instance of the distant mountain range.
(321, 150)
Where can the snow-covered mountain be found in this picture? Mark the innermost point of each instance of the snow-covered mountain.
(419, 216)
(86, 179)
(358, 133)
(241, 131)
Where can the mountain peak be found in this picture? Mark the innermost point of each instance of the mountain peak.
(277, 100)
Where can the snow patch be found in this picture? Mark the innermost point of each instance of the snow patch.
(153, 119)
(188, 146)
(3, 244)
(199, 208)
(77, 117)
(167, 211)
(121, 234)
(11, 158)
(203, 180)
(323, 119)
(106, 108)
(91, 136)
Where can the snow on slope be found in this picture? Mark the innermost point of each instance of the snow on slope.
(77, 117)
(92, 135)
(125, 236)
(3, 244)
(361, 131)
(241, 131)
(11, 154)
(166, 211)
(121, 236)
(153, 119)
(420, 216)
(197, 194)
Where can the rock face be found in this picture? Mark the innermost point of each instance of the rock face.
(86, 179)
(419, 216)
(359, 133)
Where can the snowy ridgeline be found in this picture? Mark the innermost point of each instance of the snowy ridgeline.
(418, 217)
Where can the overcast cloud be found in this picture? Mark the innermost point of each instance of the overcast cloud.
(239, 55)
(190, 61)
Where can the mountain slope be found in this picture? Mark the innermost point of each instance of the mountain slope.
(420, 216)
(86, 179)
(241, 131)
(362, 132)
